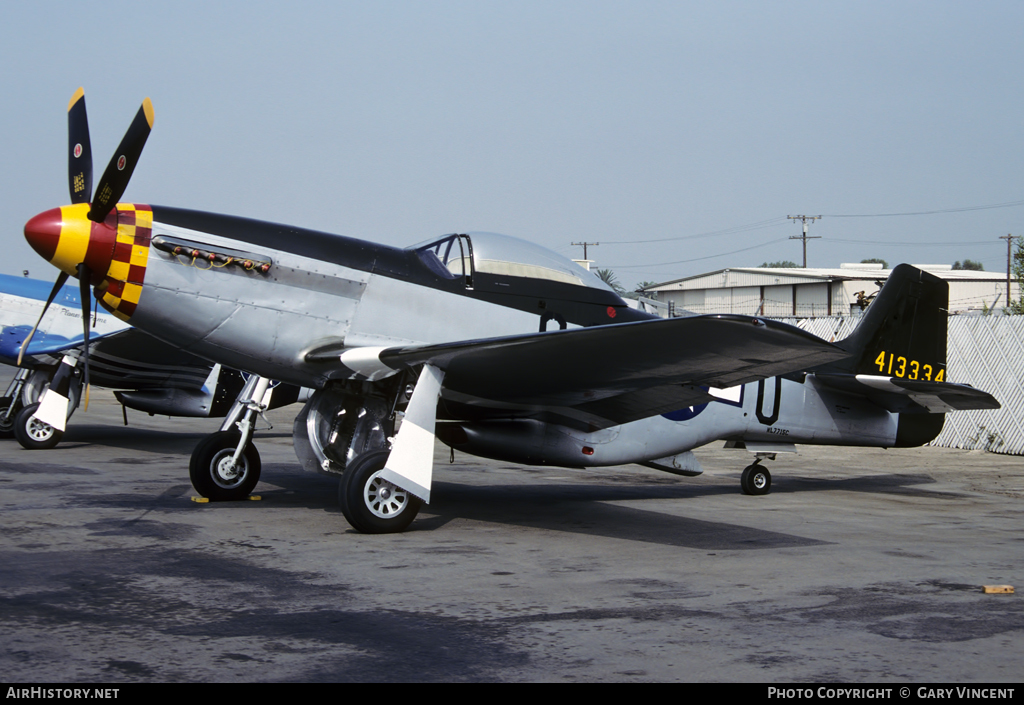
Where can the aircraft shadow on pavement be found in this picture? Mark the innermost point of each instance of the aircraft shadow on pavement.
(892, 483)
(566, 507)
(573, 507)
(590, 509)
(587, 510)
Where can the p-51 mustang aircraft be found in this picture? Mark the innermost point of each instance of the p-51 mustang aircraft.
(499, 347)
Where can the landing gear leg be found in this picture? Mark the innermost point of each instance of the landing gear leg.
(756, 480)
(11, 403)
(382, 491)
(226, 465)
(337, 425)
(62, 394)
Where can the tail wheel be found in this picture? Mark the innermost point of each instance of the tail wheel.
(756, 480)
(32, 433)
(213, 474)
(372, 504)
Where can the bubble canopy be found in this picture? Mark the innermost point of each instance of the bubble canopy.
(502, 255)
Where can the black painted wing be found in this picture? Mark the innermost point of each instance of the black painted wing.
(608, 375)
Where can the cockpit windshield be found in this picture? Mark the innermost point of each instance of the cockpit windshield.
(450, 256)
(501, 255)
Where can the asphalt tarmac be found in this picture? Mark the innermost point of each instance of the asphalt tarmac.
(861, 566)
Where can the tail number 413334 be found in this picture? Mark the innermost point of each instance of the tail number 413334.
(899, 366)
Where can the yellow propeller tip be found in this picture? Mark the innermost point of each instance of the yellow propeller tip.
(147, 106)
(79, 94)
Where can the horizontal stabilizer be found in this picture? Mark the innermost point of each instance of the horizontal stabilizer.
(905, 396)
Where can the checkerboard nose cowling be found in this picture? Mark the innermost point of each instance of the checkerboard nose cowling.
(116, 250)
(127, 270)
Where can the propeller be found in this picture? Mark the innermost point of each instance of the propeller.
(61, 279)
(84, 275)
(118, 172)
(110, 188)
(79, 150)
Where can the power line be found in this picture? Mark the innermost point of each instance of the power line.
(775, 222)
(1008, 204)
(912, 244)
(770, 223)
(698, 259)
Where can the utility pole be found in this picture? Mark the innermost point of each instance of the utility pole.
(585, 247)
(804, 237)
(586, 260)
(1009, 259)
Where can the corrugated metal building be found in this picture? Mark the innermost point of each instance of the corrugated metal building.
(817, 292)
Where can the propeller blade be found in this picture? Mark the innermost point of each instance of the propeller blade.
(79, 150)
(61, 280)
(118, 172)
(84, 274)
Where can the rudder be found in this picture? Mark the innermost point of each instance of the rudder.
(903, 335)
(903, 332)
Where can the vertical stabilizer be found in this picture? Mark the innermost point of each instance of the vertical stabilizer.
(903, 332)
(903, 335)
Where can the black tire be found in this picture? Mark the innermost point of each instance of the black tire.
(33, 434)
(756, 480)
(7, 424)
(373, 505)
(210, 471)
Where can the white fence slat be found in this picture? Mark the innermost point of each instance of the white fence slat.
(986, 352)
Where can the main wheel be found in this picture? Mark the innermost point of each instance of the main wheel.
(13, 405)
(756, 480)
(32, 433)
(213, 474)
(371, 504)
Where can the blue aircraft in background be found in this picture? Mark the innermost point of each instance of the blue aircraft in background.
(149, 375)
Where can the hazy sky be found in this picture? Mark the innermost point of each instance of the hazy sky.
(700, 124)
